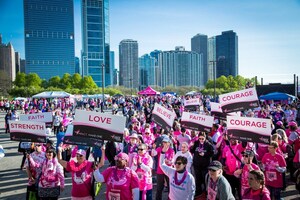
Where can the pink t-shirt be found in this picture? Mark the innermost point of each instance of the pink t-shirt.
(273, 177)
(231, 162)
(245, 175)
(52, 174)
(81, 178)
(257, 194)
(120, 183)
(261, 151)
(168, 156)
(36, 164)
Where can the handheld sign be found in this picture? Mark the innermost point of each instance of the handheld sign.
(197, 122)
(38, 117)
(163, 117)
(27, 131)
(69, 138)
(249, 129)
(238, 101)
(217, 111)
(191, 104)
(100, 126)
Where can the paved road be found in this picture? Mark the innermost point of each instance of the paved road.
(13, 180)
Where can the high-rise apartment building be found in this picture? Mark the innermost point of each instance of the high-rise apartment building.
(128, 64)
(227, 54)
(199, 45)
(49, 37)
(147, 71)
(154, 54)
(181, 68)
(95, 40)
(7, 63)
(211, 58)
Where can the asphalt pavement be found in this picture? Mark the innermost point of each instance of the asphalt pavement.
(13, 181)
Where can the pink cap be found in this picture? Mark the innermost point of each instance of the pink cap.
(81, 152)
(292, 123)
(123, 156)
(279, 123)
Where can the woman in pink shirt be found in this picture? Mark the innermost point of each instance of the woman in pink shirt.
(82, 172)
(142, 164)
(257, 190)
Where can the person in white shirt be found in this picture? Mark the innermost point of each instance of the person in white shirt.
(185, 153)
(182, 183)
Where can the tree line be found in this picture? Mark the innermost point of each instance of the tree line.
(27, 85)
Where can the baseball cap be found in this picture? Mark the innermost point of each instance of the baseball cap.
(81, 152)
(215, 165)
(279, 123)
(292, 123)
(134, 135)
(166, 139)
(248, 152)
(123, 156)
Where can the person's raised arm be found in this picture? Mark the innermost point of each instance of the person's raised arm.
(59, 158)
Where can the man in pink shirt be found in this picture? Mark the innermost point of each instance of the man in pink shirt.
(274, 166)
(121, 181)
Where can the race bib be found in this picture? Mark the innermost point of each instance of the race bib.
(114, 196)
(271, 176)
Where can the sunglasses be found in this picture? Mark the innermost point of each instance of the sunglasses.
(178, 163)
(141, 149)
(246, 156)
(201, 138)
(79, 155)
(212, 170)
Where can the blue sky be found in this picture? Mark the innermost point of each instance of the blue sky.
(268, 30)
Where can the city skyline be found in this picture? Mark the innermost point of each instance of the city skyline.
(268, 30)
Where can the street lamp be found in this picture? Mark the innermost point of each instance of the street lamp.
(103, 81)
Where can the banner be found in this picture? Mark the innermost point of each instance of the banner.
(163, 117)
(100, 126)
(192, 104)
(217, 111)
(38, 117)
(27, 131)
(238, 101)
(249, 129)
(197, 122)
(69, 138)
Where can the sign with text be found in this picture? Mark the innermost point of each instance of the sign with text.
(163, 117)
(27, 131)
(192, 104)
(69, 138)
(100, 126)
(197, 122)
(238, 101)
(249, 129)
(38, 117)
(217, 111)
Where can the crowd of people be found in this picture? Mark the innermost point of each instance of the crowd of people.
(186, 164)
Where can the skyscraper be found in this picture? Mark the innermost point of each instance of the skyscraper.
(49, 37)
(199, 45)
(147, 71)
(227, 54)
(180, 68)
(211, 58)
(128, 64)
(112, 66)
(154, 54)
(7, 64)
(95, 40)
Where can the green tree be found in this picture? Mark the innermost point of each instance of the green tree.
(54, 81)
(87, 82)
(65, 81)
(221, 82)
(20, 80)
(76, 79)
(240, 82)
(33, 80)
(232, 82)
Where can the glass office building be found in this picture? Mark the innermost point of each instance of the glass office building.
(95, 41)
(49, 37)
(227, 54)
